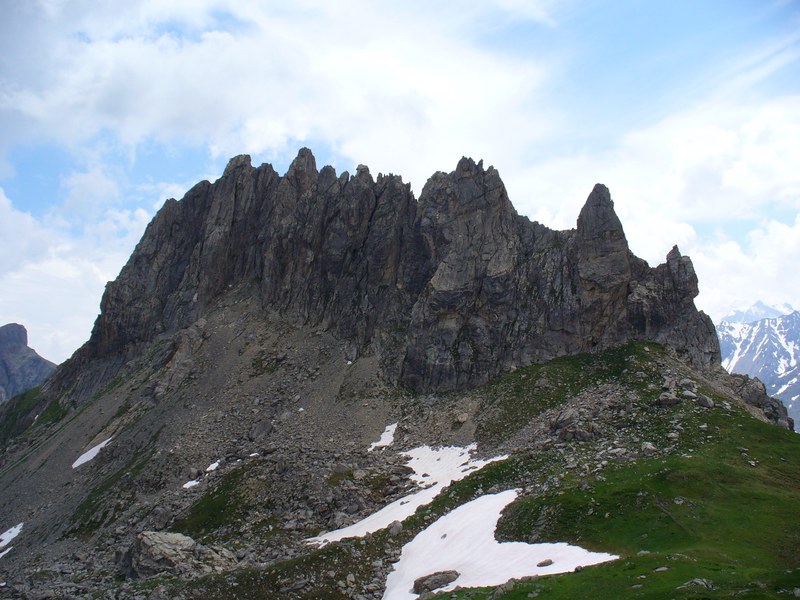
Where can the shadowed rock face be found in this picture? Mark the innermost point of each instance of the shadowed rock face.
(20, 367)
(448, 291)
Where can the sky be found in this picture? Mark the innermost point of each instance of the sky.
(688, 111)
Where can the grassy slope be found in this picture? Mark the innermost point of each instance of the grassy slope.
(724, 510)
(721, 507)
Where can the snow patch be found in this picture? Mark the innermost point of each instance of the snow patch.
(212, 467)
(463, 540)
(435, 469)
(191, 484)
(387, 438)
(91, 453)
(7, 536)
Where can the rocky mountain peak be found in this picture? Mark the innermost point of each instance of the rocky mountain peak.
(447, 291)
(21, 368)
(303, 170)
(13, 335)
(597, 220)
(237, 162)
(683, 274)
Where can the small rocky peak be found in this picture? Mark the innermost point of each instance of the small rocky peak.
(362, 173)
(674, 255)
(683, 273)
(303, 170)
(327, 178)
(237, 162)
(468, 168)
(13, 335)
(597, 218)
(303, 163)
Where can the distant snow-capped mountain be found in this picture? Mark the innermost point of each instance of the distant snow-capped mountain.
(768, 348)
(756, 312)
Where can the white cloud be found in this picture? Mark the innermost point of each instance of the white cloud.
(353, 78)
(88, 193)
(52, 279)
(709, 168)
(763, 268)
(406, 88)
(21, 237)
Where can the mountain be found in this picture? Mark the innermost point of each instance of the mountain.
(20, 367)
(768, 349)
(757, 312)
(317, 386)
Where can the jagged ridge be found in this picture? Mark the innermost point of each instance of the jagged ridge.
(449, 291)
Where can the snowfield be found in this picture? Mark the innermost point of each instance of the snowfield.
(463, 540)
(91, 453)
(435, 469)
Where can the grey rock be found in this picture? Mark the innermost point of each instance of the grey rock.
(157, 552)
(450, 291)
(668, 399)
(698, 583)
(260, 430)
(753, 391)
(648, 448)
(21, 368)
(564, 419)
(434, 581)
(705, 401)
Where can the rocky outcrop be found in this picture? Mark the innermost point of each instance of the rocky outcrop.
(447, 291)
(156, 552)
(21, 368)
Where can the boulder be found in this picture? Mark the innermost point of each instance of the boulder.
(434, 581)
(154, 552)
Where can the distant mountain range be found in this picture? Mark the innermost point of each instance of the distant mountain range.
(757, 312)
(767, 347)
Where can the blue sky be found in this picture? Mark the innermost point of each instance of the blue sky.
(688, 111)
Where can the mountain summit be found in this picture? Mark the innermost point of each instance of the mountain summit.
(448, 291)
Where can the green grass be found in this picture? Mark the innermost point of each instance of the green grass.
(52, 413)
(711, 515)
(17, 415)
(217, 509)
(515, 398)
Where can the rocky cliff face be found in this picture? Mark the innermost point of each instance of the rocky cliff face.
(447, 291)
(21, 368)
